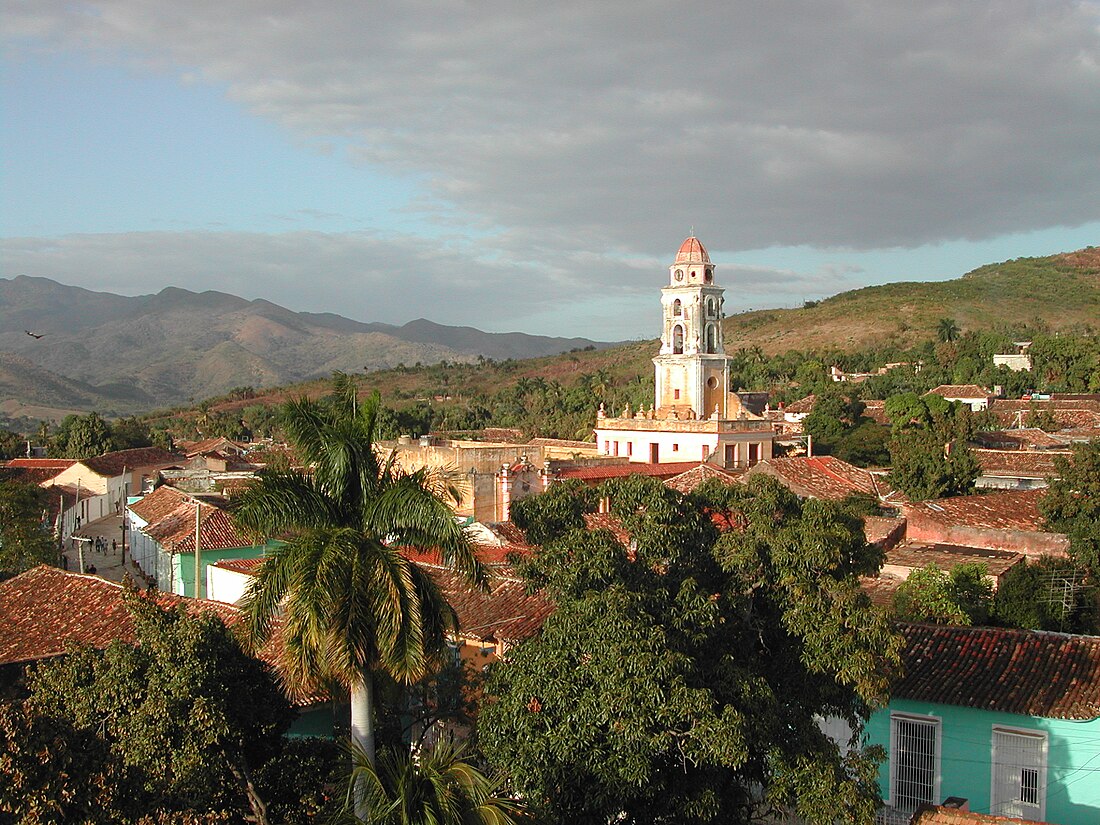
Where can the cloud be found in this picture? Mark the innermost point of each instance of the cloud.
(613, 127)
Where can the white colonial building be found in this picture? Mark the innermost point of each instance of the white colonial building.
(694, 417)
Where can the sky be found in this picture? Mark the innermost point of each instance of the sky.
(534, 167)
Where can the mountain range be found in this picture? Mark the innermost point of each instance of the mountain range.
(123, 354)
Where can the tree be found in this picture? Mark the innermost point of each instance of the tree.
(1048, 594)
(433, 787)
(128, 433)
(24, 539)
(834, 416)
(350, 602)
(963, 596)
(1072, 504)
(928, 452)
(947, 329)
(679, 678)
(81, 436)
(183, 720)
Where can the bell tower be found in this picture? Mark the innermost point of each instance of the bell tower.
(692, 369)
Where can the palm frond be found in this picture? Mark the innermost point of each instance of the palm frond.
(281, 502)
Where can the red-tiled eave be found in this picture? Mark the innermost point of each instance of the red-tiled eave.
(597, 472)
(1007, 510)
(960, 391)
(1026, 672)
(42, 463)
(687, 481)
(825, 477)
(110, 465)
(46, 611)
(955, 816)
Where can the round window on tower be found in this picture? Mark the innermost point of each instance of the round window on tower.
(679, 274)
(712, 382)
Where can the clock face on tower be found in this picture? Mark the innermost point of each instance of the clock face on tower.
(679, 274)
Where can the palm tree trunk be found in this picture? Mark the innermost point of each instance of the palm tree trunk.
(362, 732)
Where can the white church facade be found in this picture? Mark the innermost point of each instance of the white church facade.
(695, 416)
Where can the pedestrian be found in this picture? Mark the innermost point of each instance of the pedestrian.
(114, 545)
(91, 569)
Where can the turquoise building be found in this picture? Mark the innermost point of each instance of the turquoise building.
(1008, 720)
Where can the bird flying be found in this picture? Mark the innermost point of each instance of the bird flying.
(33, 334)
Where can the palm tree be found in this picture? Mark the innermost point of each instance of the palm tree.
(432, 787)
(350, 603)
(947, 329)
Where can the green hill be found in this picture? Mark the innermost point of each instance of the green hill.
(1060, 292)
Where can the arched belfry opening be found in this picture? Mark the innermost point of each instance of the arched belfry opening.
(677, 340)
(677, 308)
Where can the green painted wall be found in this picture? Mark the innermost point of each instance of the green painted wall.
(183, 566)
(318, 720)
(966, 740)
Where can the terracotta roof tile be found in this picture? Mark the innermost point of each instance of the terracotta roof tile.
(881, 588)
(43, 463)
(882, 529)
(1027, 438)
(600, 472)
(1026, 672)
(917, 554)
(1008, 510)
(825, 477)
(170, 520)
(110, 465)
(1018, 463)
(953, 816)
(960, 391)
(688, 481)
(802, 405)
(28, 475)
(46, 610)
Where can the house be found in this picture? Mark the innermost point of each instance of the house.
(975, 397)
(1016, 469)
(826, 477)
(904, 558)
(1018, 361)
(100, 485)
(1008, 720)
(1067, 410)
(45, 611)
(162, 537)
(1024, 438)
(995, 521)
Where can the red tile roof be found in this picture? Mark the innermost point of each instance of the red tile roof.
(1027, 438)
(46, 610)
(43, 463)
(825, 477)
(953, 816)
(246, 566)
(688, 481)
(28, 475)
(960, 391)
(170, 521)
(917, 554)
(802, 405)
(1009, 510)
(609, 522)
(110, 465)
(1018, 463)
(209, 445)
(1026, 672)
(599, 472)
(1069, 413)
(881, 588)
(882, 529)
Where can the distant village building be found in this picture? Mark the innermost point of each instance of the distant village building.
(975, 397)
(1018, 361)
(695, 417)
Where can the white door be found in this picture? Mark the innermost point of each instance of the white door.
(1019, 774)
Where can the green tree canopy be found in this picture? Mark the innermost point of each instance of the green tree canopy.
(24, 537)
(928, 451)
(1072, 503)
(81, 436)
(961, 596)
(182, 721)
(678, 679)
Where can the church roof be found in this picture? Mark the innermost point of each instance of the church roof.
(692, 252)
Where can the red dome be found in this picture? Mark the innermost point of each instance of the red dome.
(692, 252)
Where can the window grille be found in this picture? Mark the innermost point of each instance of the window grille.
(914, 761)
(1019, 774)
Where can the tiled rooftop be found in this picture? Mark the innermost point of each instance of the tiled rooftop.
(1018, 463)
(917, 554)
(598, 472)
(953, 816)
(880, 529)
(1027, 438)
(1009, 510)
(881, 588)
(960, 391)
(42, 463)
(46, 610)
(609, 522)
(824, 477)
(802, 405)
(113, 464)
(1026, 672)
(689, 480)
(170, 517)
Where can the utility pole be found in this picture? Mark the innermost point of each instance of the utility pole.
(198, 548)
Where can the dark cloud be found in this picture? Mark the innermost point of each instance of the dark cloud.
(842, 123)
(581, 140)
